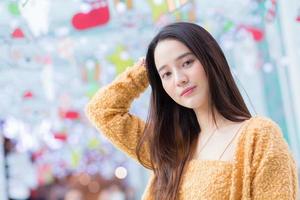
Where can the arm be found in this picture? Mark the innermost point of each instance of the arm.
(108, 110)
(276, 174)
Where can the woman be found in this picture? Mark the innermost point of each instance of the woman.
(199, 140)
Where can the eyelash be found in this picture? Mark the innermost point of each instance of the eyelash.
(164, 74)
(188, 62)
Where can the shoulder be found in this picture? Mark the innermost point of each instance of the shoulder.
(265, 136)
(262, 133)
(263, 127)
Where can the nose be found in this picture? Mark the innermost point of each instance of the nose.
(180, 79)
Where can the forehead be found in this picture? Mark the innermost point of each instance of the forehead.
(168, 50)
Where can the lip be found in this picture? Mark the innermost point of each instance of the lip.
(184, 92)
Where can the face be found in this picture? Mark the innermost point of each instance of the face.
(182, 75)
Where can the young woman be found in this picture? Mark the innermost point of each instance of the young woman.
(199, 140)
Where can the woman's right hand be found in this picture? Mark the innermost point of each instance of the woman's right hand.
(142, 61)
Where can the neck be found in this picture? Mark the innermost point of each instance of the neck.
(206, 120)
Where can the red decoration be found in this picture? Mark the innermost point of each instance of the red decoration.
(61, 136)
(18, 33)
(271, 14)
(38, 154)
(44, 173)
(95, 17)
(257, 33)
(298, 18)
(28, 95)
(70, 114)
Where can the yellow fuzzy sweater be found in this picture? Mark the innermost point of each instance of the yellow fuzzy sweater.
(263, 167)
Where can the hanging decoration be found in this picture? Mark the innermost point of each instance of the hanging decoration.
(158, 8)
(94, 143)
(13, 8)
(123, 5)
(298, 16)
(38, 154)
(98, 16)
(257, 34)
(228, 25)
(44, 173)
(62, 136)
(69, 114)
(28, 95)
(17, 33)
(187, 13)
(176, 4)
(121, 59)
(90, 75)
(76, 156)
(271, 10)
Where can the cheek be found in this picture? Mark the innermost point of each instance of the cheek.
(169, 90)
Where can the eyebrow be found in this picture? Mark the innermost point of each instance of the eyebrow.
(178, 58)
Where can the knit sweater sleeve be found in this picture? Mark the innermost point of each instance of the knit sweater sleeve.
(274, 169)
(108, 111)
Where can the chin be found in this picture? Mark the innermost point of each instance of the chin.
(191, 105)
(192, 102)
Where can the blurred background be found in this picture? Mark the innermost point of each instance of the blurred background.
(54, 55)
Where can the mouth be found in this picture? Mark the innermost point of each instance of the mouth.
(188, 91)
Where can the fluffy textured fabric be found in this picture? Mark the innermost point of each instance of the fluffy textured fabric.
(263, 167)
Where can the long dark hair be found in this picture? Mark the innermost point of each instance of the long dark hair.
(171, 129)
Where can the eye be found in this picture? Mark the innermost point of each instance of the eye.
(165, 75)
(188, 63)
